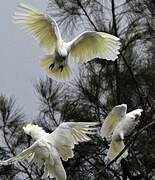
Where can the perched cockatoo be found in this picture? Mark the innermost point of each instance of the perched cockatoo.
(85, 47)
(49, 148)
(118, 123)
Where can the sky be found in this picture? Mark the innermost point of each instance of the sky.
(19, 58)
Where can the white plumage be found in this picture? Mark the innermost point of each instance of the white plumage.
(111, 121)
(48, 148)
(119, 124)
(83, 48)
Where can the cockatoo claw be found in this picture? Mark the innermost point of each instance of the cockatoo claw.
(51, 66)
(61, 68)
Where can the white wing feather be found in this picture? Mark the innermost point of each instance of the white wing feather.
(91, 44)
(42, 153)
(68, 134)
(23, 155)
(116, 146)
(123, 128)
(113, 118)
(41, 25)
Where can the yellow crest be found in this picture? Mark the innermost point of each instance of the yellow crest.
(28, 126)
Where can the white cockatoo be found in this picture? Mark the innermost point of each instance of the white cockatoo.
(86, 46)
(119, 123)
(50, 147)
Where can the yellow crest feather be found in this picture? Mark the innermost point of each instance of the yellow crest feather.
(29, 126)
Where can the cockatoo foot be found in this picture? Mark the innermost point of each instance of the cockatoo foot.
(51, 66)
(61, 68)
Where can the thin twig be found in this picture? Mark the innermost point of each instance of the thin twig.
(86, 14)
(13, 153)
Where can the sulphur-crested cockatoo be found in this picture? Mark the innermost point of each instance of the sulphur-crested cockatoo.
(118, 123)
(86, 46)
(49, 148)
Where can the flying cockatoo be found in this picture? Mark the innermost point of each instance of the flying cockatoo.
(118, 123)
(85, 47)
(49, 148)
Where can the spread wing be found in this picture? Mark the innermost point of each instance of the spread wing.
(113, 118)
(21, 156)
(42, 26)
(68, 134)
(42, 153)
(92, 44)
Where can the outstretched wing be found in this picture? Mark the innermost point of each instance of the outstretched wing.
(68, 134)
(92, 44)
(42, 153)
(23, 155)
(113, 118)
(42, 26)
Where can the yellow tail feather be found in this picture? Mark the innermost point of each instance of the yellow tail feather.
(115, 148)
(55, 73)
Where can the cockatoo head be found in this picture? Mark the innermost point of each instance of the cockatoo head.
(28, 128)
(134, 116)
(120, 109)
(34, 131)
